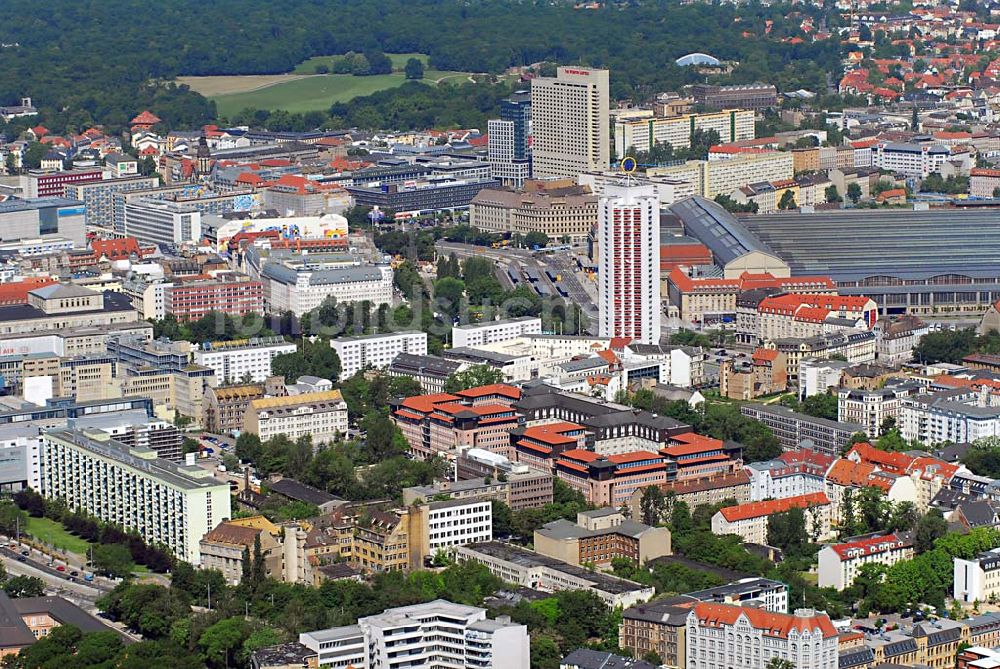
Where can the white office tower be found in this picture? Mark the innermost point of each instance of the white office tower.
(628, 220)
(570, 126)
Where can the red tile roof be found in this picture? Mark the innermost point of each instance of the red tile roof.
(426, 403)
(869, 546)
(145, 118)
(771, 624)
(553, 433)
(494, 389)
(771, 507)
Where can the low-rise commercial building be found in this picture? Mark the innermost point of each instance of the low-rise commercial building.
(534, 570)
(600, 536)
(527, 488)
(492, 332)
(376, 351)
(839, 564)
(792, 428)
(319, 415)
(132, 488)
(441, 194)
(437, 633)
(430, 371)
(65, 307)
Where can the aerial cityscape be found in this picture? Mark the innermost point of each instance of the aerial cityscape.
(487, 334)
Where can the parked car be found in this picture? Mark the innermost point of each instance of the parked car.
(60, 568)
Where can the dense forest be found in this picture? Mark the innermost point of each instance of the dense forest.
(103, 60)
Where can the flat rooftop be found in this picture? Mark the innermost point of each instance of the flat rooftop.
(526, 558)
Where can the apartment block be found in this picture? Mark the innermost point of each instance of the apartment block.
(559, 213)
(522, 488)
(715, 177)
(750, 520)
(872, 407)
(434, 634)
(839, 564)
(430, 371)
(242, 360)
(320, 415)
(642, 134)
(805, 638)
(959, 416)
(791, 474)
(281, 547)
(526, 487)
(983, 182)
(164, 502)
(98, 196)
(226, 407)
(135, 429)
(376, 351)
(493, 332)
(756, 97)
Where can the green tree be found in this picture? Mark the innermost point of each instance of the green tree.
(545, 653)
(854, 192)
(652, 504)
(503, 519)
(779, 663)
(414, 69)
(220, 642)
(12, 519)
(448, 293)
(787, 201)
(113, 560)
(536, 239)
(259, 572)
(473, 377)
(831, 194)
(24, 586)
(931, 527)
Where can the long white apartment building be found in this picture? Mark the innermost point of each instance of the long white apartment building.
(712, 177)
(493, 332)
(320, 415)
(978, 579)
(300, 286)
(376, 351)
(164, 502)
(435, 634)
(641, 134)
(570, 122)
(839, 564)
(243, 359)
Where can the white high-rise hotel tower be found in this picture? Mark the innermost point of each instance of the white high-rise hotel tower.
(629, 269)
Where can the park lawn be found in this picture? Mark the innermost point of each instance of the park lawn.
(317, 93)
(53, 533)
(398, 62)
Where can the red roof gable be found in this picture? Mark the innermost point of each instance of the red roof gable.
(145, 118)
(771, 624)
(771, 507)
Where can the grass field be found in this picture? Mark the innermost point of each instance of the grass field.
(303, 90)
(53, 533)
(315, 93)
